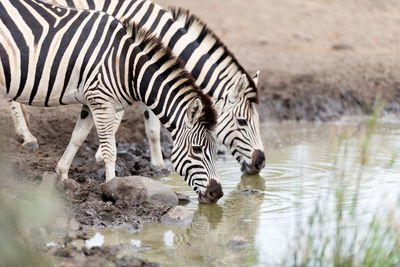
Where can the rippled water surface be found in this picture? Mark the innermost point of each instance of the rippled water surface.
(303, 161)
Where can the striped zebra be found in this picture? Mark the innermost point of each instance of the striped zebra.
(214, 67)
(51, 55)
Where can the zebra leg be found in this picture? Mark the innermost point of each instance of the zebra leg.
(152, 126)
(104, 120)
(21, 123)
(81, 131)
(117, 122)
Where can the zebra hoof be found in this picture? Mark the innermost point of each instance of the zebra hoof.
(31, 145)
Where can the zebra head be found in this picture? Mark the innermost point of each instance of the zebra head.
(194, 151)
(238, 126)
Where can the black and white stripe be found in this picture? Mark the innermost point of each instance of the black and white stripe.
(216, 71)
(52, 56)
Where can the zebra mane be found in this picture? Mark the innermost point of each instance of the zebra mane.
(193, 22)
(150, 43)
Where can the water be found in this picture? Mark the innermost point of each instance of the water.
(303, 160)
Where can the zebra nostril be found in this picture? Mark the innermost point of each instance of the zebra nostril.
(258, 159)
(214, 191)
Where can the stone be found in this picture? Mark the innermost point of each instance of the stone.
(183, 199)
(238, 243)
(138, 187)
(342, 46)
(251, 191)
(177, 215)
(70, 185)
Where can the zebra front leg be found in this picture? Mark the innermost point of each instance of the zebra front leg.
(21, 124)
(81, 131)
(104, 120)
(152, 126)
(117, 122)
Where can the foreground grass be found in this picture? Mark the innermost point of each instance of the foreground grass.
(25, 211)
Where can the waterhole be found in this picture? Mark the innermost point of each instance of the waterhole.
(261, 217)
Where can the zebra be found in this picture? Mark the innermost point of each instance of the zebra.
(51, 55)
(216, 71)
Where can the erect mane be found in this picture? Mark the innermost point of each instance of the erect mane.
(149, 43)
(192, 21)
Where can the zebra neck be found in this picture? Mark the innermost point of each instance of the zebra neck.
(161, 89)
(166, 103)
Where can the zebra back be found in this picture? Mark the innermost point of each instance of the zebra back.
(192, 23)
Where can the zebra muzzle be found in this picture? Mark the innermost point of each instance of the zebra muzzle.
(257, 163)
(258, 160)
(213, 193)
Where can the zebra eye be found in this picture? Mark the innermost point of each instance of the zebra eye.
(242, 122)
(197, 149)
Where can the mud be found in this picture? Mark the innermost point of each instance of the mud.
(96, 256)
(311, 97)
(132, 159)
(53, 128)
(92, 208)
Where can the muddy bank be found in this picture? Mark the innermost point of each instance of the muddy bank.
(132, 159)
(312, 97)
(96, 256)
(53, 130)
(93, 208)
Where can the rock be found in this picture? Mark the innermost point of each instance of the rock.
(183, 199)
(238, 243)
(64, 252)
(303, 36)
(70, 185)
(252, 191)
(177, 215)
(342, 46)
(132, 261)
(135, 187)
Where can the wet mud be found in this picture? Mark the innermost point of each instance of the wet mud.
(95, 256)
(310, 97)
(91, 207)
(132, 159)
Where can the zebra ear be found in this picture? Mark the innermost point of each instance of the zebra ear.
(194, 112)
(256, 77)
(240, 86)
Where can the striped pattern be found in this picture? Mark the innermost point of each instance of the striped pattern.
(52, 55)
(213, 66)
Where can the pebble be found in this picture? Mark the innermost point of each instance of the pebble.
(183, 199)
(238, 243)
(252, 191)
(177, 215)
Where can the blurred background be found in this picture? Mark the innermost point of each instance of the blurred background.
(318, 57)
